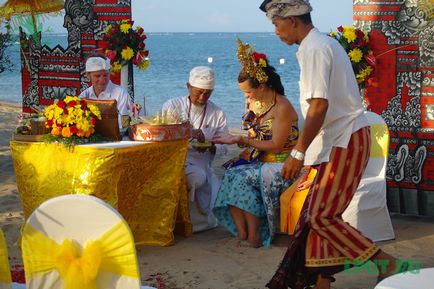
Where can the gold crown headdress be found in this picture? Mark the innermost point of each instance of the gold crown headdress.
(252, 61)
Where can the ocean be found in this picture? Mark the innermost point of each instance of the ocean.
(172, 56)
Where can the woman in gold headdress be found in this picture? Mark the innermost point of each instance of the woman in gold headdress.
(248, 200)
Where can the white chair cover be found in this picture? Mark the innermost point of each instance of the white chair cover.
(80, 218)
(423, 278)
(368, 211)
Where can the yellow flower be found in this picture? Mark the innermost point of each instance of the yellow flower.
(355, 55)
(127, 53)
(364, 74)
(144, 64)
(332, 34)
(94, 109)
(125, 27)
(262, 62)
(116, 66)
(108, 28)
(349, 34)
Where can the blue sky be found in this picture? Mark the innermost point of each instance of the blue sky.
(219, 16)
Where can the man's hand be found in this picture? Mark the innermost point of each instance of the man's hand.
(198, 134)
(291, 168)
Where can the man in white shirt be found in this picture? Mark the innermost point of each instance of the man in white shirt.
(208, 121)
(336, 140)
(98, 72)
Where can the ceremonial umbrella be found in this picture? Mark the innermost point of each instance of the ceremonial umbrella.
(29, 7)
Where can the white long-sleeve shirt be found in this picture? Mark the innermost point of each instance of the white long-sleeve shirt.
(112, 91)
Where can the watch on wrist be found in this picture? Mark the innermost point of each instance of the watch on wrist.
(296, 154)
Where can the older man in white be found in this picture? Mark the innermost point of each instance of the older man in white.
(207, 120)
(98, 72)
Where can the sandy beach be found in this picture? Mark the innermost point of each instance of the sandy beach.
(211, 259)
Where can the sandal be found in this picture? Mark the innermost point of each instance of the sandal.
(403, 268)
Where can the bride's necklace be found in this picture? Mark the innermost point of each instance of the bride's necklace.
(260, 108)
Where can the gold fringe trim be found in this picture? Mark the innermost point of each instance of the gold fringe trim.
(342, 260)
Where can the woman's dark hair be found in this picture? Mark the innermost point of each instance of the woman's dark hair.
(273, 82)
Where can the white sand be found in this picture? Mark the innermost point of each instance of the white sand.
(210, 259)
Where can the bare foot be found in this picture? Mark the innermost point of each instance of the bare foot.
(322, 282)
(247, 244)
(242, 235)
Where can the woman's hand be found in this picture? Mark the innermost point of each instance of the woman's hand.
(226, 139)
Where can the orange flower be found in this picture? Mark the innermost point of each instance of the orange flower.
(56, 131)
(89, 132)
(66, 132)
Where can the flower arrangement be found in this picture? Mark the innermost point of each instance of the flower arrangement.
(122, 44)
(356, 44)
(71, 118)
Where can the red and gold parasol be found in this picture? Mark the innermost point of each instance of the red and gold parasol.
(29, 7)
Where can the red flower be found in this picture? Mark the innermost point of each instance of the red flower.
(111, 54)
(61, 103)
(140, 31)
(73, 129)
(72, 103)
(359, 33)
(65, 111)
(92, 121)
(83, 104)
(49, 123)
(257, 56)
(340, 29)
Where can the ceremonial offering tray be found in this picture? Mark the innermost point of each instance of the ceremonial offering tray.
(159, 132)
(204, 145)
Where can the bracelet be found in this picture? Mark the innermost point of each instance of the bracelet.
(296, 154)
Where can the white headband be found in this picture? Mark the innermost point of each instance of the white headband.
(202, 77)
(97, 63)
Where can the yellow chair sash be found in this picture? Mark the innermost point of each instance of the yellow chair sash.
(291, 203)
(380, 141)
(5, 273)
(113, 252)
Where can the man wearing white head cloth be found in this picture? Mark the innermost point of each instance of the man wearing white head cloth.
(336, 140)
(98, 72)
(208, 121)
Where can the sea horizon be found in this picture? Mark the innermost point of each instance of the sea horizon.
(172, 56)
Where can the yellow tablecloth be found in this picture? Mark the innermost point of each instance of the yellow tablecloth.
(145, 182)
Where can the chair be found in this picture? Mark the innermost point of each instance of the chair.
(5, 273)
(78, 242)
(414, 278)
(368, 211)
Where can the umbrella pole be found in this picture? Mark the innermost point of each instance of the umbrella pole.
(35, 30)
